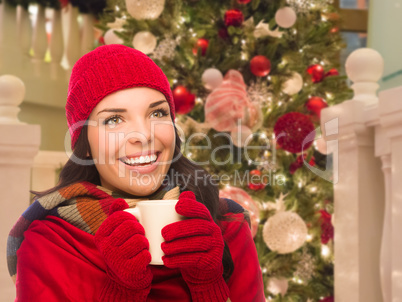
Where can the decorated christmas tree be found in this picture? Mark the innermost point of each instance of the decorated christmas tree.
(249, 80)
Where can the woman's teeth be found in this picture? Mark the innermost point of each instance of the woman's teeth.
(142, 160)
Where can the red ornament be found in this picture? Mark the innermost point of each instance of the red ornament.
(184, 101)
(256, 185)
(317, 73)
(328, 299)
(101, 40)
(234, 17)
(332, 72)
(292, 129)
(260, 66)
(63, 3)
(201, 44)
(243, 1)
(316, 104)
(299, 163)
(223, 33)
(327, 229)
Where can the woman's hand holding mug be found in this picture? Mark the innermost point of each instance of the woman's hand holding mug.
(195, 246)
(122, 243)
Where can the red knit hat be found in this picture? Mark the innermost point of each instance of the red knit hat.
(107, 69)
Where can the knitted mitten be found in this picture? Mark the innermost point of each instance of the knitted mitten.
(122, 243)
(195, 246)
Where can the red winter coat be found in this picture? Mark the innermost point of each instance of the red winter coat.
(59, 262)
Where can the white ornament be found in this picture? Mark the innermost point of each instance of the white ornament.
(212, 78)
(144, 41)
(12, 93)
(285, 232)
(145, 9)
(165, 49)
(294, 84)
(111, 38)
(259, 92)
(278, 286)
(285, 17)
(241, 135)
(262, 30)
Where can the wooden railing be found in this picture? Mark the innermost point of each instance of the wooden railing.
(43, 60)
(368, 193)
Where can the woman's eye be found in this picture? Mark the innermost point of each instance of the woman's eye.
(113, 121)
(159, 113)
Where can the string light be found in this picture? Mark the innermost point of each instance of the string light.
(117, 8)
(313, 189)
(309, 237)
(325, 251)
(329, 95)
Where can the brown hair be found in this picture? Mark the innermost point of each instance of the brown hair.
(206, 192)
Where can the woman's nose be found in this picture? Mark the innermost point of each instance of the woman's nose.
(139, 133)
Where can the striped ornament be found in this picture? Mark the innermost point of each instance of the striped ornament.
(229, 105)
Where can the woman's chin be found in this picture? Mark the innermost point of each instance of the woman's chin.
(144, 190)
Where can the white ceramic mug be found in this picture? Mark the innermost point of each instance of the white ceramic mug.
(153, 215)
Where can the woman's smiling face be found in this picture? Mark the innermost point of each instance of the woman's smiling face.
(132, 140)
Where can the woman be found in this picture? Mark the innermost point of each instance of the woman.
(75, 242)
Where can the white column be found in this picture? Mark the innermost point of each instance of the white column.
(19, 143)
(359, 192)
(9, 57)
(56, 45)
(383, 151)
(39, 40)
(73, 45)
(391, 120)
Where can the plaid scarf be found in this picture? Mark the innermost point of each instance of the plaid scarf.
(84, 205)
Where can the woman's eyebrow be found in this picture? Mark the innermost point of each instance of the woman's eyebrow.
(124, 110)
(157, 103)
(112, 110)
